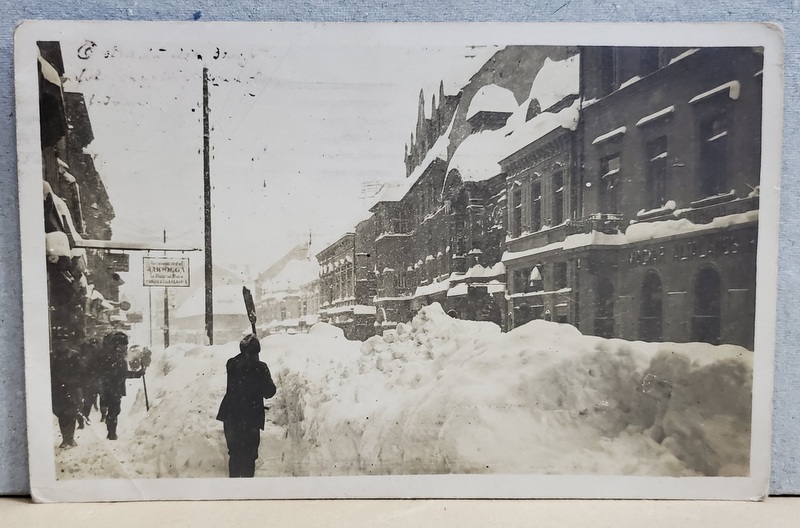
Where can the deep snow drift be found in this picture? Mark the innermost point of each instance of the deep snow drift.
(439, 395)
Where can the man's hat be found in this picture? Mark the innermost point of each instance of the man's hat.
(250, 344)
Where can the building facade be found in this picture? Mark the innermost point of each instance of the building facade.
(661, 240)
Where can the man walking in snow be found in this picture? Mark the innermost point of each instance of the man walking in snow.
(115, 372)
(242, 408)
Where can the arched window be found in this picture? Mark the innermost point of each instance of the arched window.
(650, 308)
(604, 304)
(707, 294)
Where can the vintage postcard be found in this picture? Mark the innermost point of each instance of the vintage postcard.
(398, 260)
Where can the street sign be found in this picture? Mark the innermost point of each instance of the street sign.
(166, 271)
(135, 317)
(117, 261)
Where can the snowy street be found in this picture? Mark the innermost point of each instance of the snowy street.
(440, 395)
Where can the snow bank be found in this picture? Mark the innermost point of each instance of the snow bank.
(442, 395)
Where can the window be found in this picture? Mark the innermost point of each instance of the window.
(650, 308)
(706, 320)
(608, 70)
(521, 280)
(536, 279)
(536, 206)
(560, 275)
(516, 212)
(609, 184)
(656, 173)
(604, 308)
(400, 223)
(458, 237)
(648, 61)
(713, 156)
(283, 312)
(558, 198)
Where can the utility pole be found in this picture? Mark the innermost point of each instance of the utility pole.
(207, 224)
(166, 306)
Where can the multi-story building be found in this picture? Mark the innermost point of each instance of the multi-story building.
(82, 283)
(660, 193)
(287, 294)
(347, 282)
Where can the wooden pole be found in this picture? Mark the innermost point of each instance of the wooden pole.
(166, 306)
(207, 224)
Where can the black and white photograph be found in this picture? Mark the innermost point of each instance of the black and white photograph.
(398, 260)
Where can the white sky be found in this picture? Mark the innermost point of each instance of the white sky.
(299, 121)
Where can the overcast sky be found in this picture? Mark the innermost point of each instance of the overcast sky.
(300, 117)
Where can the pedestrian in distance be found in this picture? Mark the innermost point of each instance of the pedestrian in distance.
(114, 373)
(92, 354)
(242, 409)
(65, 380)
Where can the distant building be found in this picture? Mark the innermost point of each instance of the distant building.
(287, 293)
(347, 282)
(187, 323)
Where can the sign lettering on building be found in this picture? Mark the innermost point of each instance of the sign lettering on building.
(693, 249)
(166, 272)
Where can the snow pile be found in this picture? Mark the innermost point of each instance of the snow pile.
(439, 395)
(442, 395)
(494, 99)
(555, 81)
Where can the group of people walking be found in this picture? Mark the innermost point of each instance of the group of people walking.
(101, 368)
(81, 375)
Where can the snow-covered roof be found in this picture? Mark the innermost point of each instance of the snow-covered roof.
(227, 301)
(393, 191)
(295, 274)
(521, 134)
(492, 98)
(476, 158)
(555, 81)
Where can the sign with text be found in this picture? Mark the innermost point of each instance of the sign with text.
(165, 271)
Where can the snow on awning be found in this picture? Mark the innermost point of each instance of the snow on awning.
(69, 178)
(57, 244)
(608, 135)
(656, 116)
(458, 290)
(732, 87)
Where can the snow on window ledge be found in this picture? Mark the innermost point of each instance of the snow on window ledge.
(733, 88)
(609, 135)
(666, 112)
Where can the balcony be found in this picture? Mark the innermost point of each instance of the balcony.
(601, 222)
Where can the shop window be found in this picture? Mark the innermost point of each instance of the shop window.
(714, 156)
(650, 308)
(560, 275)
(706, 319)
(609, 184)
(604, 308)
(536, 206)
(516, 212)
(656, 173)
(558, 198)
